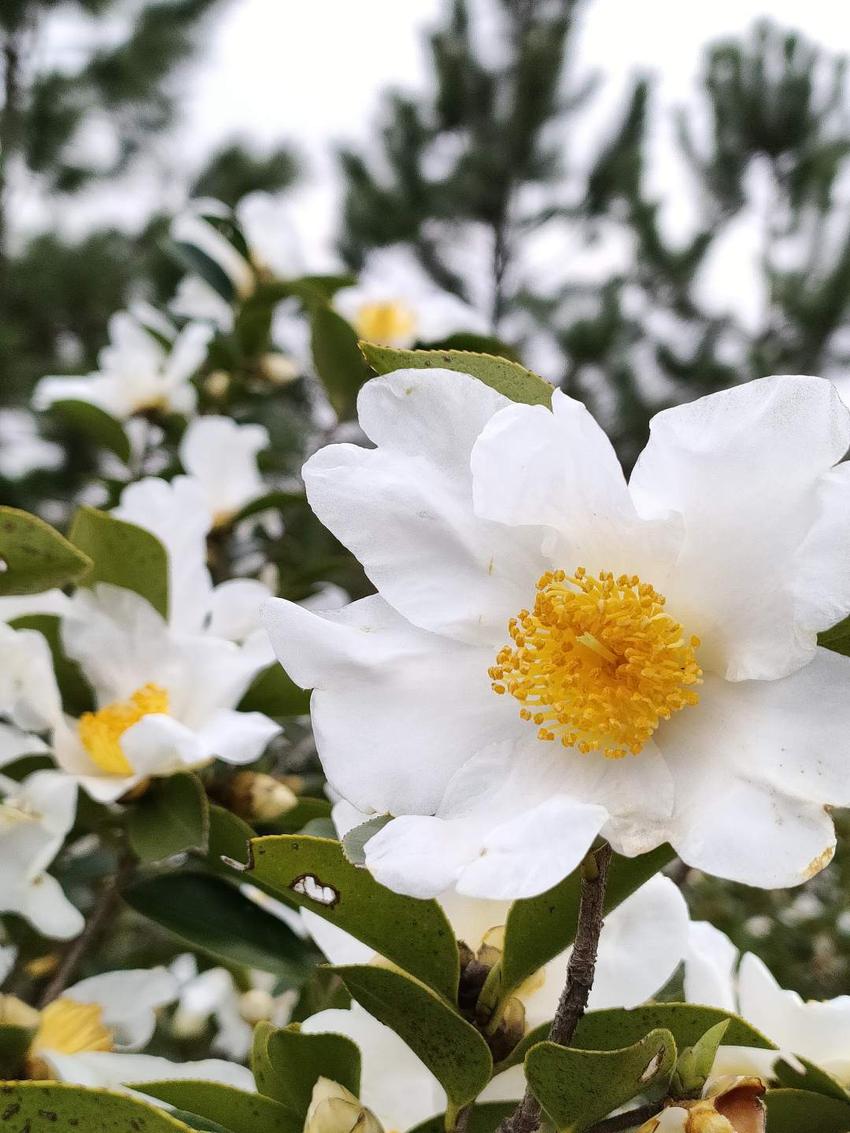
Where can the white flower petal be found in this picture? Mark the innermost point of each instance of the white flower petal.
(405, 507)
(396, 710)
(237, 737)
(43, 902)
(743, 468)
(128, 1000)
(222, 456)
(112, 1069)
(235, 608)
(710, 967)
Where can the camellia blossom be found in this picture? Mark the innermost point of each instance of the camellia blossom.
(222, 457)
(89, 1034)
(395, 302)
(137, 372)
(813, 1029)
(165, 701)
(555, 653)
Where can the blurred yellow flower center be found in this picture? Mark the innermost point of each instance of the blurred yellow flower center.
(101, 731)
(67, 1027)
(597, 664)
(386, 323)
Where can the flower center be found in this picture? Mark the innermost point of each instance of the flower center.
(67, 1027)
(597, 664)
(101, 731)
(385, 322)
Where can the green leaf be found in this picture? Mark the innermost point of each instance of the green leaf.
(195, 1121)
(577, 1088)
(287, 1064)
(275, 694)
(171, 817)
(539, 928)
(55, 1107)
(199, 263)
(98, 425)
(239, 1111)
(838, 638)
(305, 811)
(508, 378)
(14, 1044)
(477, 343)
(609, 1029)
(35, 557)
(337, 359)
(210, 914)
(793, 1111)
(228, 837)
(77, 695)
(451, 1048)
(309, 289)
(354, 842)
(812, 1078)
(695, 1062)
(123, 555)
(484, 1118)
(314, 873)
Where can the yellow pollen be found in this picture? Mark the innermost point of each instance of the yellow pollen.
(101, 731)
(385, 322)
(597, 664)
(67, 1027)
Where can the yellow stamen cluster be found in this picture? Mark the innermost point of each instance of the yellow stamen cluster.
(385, 322)
(597, 664)
(67, 1027)
(101, 731)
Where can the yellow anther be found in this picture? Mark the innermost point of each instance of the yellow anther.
(101, 731)
(67, 1027)
(598, 664)
(385, 322)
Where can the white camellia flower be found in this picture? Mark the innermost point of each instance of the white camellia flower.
(137, 372)
(818, 1030)
(22, 449)
(165, 700)
(222, 458)
(89, 1034)
(35, 816)
(555, 653)
(395, 302)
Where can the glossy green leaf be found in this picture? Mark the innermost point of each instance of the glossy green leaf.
(451, 1048)
(199, 263)
(810, 1077)
(122, 554)
(694, 1063)
(314, 873)
(354, 842)
(577, 1088)
(228, 837)
(610, 1029)
(171, 817)
(77, 695)
(275, 694)
(54, 1107)
(309, 289)
(288, 1063)
(837, 638)
(14, 1044)
(484, 1118)
(239, 1111)
(506, 377)
(95, 423)
(305, 812)
(477, 343)
(35, 557)
(800, 1111)
(195, 1121)
(539, 928)
(210, 914)
(337, 358)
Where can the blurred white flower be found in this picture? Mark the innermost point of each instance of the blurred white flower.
(222, 457)
(138, 371)
(35, 816)
(165, 700)
(555, 654)
(22, 449)
(87, 1036)
(818, 1030)
(396, 303)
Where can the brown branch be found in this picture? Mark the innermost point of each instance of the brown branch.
(580, 972)
(98, 920)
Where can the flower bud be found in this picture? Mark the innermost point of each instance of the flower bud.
(733, 1106)
(333, 1109)
(217, 383)
(278, 369)
(258, 797)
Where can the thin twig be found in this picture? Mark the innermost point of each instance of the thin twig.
(580, 972)
(99, 917)
(622, 1121)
